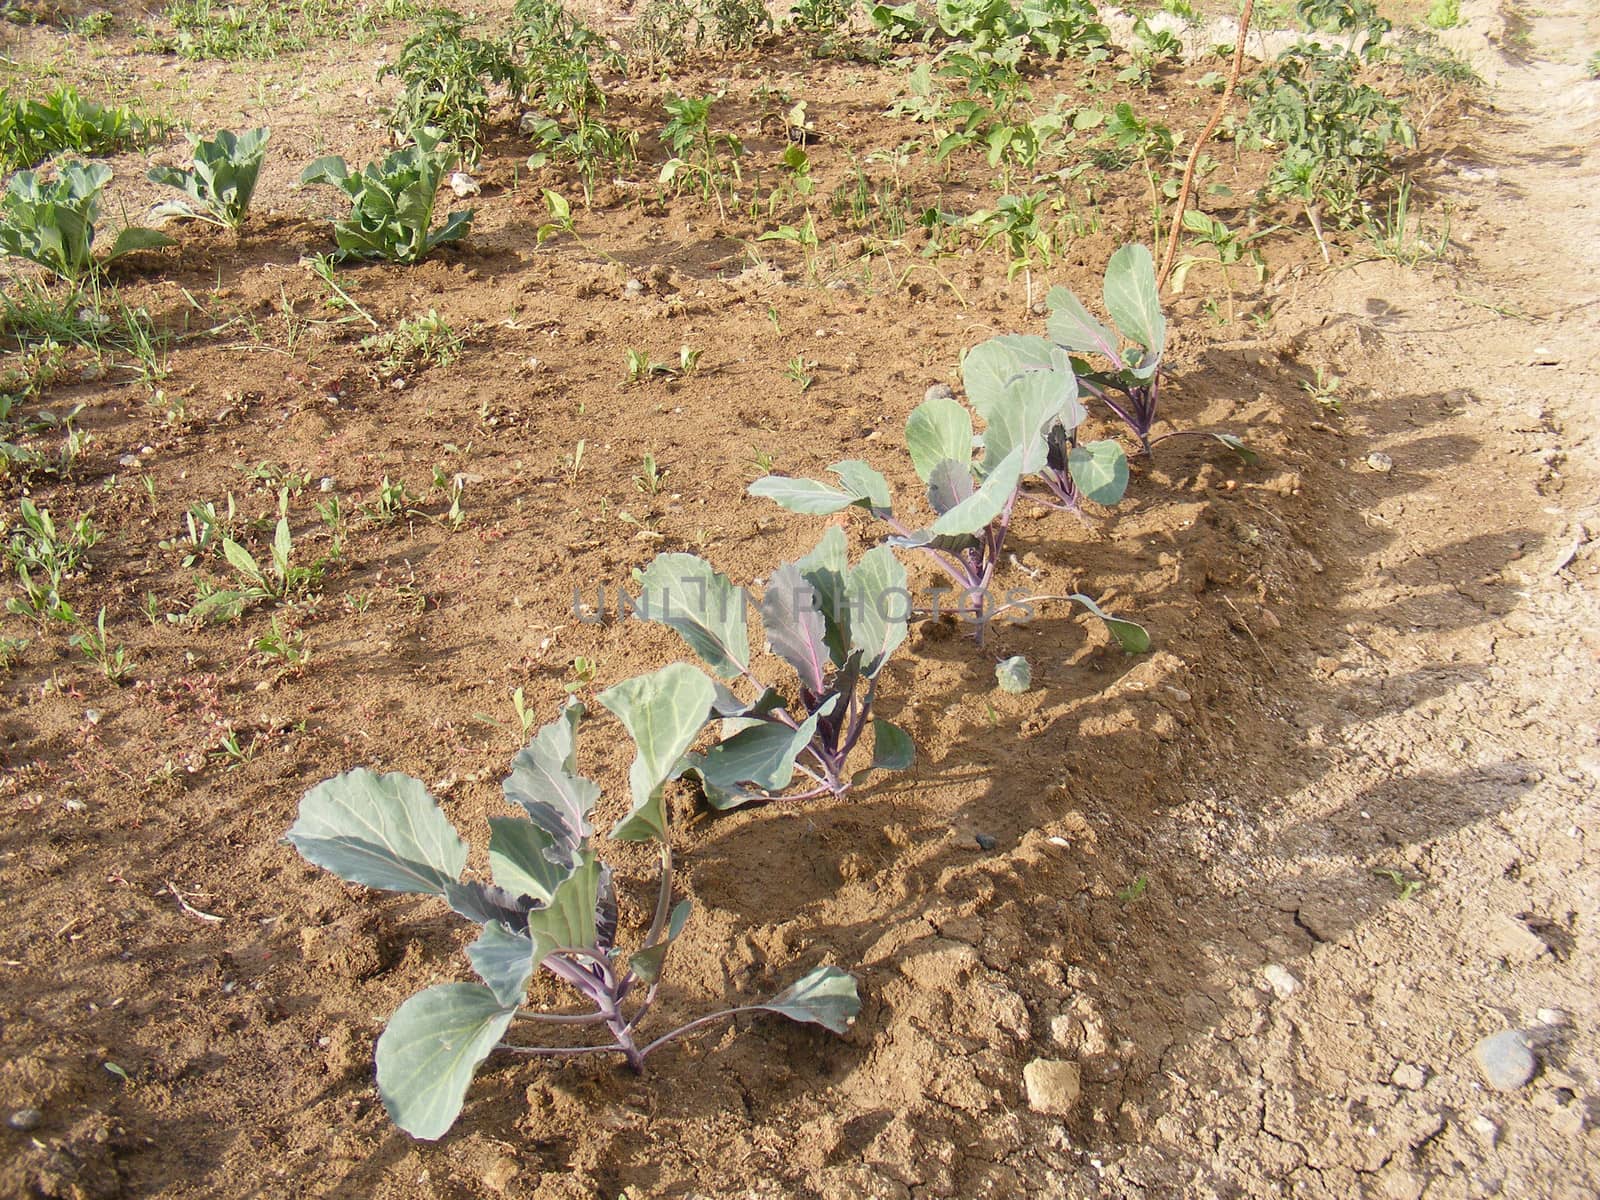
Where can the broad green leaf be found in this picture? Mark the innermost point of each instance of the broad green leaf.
(761, 756)
(545, 784)
(568, 921)
(803, 495)
(241, 561)
(949, 484)
(504, 961)
(892, 747)
(826, 996)
(880, 605)
(791, 613)
(826, 569)
(428, 1053)
(687, 594)
(1100, 471)
(519, 859)
(989, 366)
(1072, 326)
(664, 711)
(383, 831)
(647, 963)
(136, 238)
(331, 170)
(1029, 407)
(937, 430)
(988, 502)
(481, 903)
(1132, 300)
(1130, 635)
(1238, 446)
(865, 483)
(1013, 674)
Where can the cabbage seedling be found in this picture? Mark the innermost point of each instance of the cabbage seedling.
(221, 181)
(391, 203)
(1024, 390)
(1130, 387)
(835, 625)
(550, 904)
(52, 224)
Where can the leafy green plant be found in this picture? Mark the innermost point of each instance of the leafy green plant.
(1130, 383)
(821, 16)
(557, 56)
(551, 905)
(698, 152)
(1024, 390)
(44, 556)
(221, 181)
(736, 25)
(446, 77)
(1334, 132)
(53, 223)
(34, 130)
(1443, 14)
(279, 578)
(204, 29)
(425, 340)
(590, 145)
(97, 648)
(835, 625)
(391, 203)
(1229, 247)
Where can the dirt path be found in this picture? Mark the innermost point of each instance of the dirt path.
(1453, 740)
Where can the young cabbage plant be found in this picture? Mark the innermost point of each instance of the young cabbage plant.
(1131, 385)
(1026, 400)
(391, 203)
(835, 625)
(550, 903)
(52, 224)
(221, 181)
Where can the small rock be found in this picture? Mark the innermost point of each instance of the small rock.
(633, 289)
(1064, 1032)
(1409, 1076)
(1505, 1060)
(463, 185)
(1513, 941)
(501, 1173)
(128, 460)
(25, 1119)
(939, 391)
(1380, 462)
(529, 123)
(1485, 1128)
(1552, 1016)
(326, 484)
(985, 841)
(1052, 1086)
(1282, 983)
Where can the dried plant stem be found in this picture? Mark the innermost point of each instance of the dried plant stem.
(1194, 154)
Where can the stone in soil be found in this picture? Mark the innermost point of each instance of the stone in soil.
(1505, 1060)
(25, 1119)
(1052, 1086)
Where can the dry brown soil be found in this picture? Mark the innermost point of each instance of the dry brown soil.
(1265, 888)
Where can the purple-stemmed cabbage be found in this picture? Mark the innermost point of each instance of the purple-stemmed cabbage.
(836, 625)
(1130, 385)
(549, 903)
(1026, 394)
